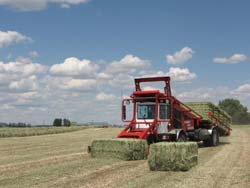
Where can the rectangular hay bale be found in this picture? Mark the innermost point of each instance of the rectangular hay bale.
(173, 156)
(120, 148)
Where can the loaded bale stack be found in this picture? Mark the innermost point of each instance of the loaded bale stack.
(211, 113)
(173, 156)
(119, 148)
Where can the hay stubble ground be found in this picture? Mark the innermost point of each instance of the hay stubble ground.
(62, 161)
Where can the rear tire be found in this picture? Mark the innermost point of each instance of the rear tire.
(213, 139)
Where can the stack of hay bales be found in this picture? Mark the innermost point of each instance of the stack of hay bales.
(123, 149)
(170, 156)
(203, 108)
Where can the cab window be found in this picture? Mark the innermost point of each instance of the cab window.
(145, 111)
(164, 111)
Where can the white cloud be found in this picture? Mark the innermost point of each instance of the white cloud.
(216, 94)
(25, 84)
(29, 95)
(104, 76)
(152, 73)
(83, 85)
(66, 83)
(127, 65)
(22, 67)
(105, 97)
(74, 67)
(148, 88)
(234, 59)
(20, 98)
(242, 93)
(122, 81)
(9, 37)
(120, 74)
(181, 75)
(176, 74)
(7, 107)
(243, 88)
(37, 5)
(204, 94)
(21, 75)
(180, 57)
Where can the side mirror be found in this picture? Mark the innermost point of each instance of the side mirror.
(127, 110)
(124, 112)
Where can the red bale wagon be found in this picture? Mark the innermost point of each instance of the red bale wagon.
(158, 116)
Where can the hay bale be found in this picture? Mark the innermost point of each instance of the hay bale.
(173, 156)
(120, 148)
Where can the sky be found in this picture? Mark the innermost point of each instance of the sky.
(77, 59)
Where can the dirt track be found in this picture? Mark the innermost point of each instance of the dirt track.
(227, 165)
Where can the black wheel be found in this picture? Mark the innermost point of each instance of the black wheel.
(151, 139)
(213, 140)
(218, 138)
(182, 137)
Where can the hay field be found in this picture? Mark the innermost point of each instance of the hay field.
(61, 160)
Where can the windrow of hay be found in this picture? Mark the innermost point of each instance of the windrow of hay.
(120, 148)
(36, 131)
(170, 156)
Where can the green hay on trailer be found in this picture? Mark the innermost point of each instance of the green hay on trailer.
(120, 148)
(203, 108)
(170, 156)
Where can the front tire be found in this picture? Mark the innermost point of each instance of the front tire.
(151, 139)
(182, 137)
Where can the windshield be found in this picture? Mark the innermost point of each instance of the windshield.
(145, 111)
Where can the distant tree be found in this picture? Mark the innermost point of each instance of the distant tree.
(66, 123)
(236, 110)
(57, 122)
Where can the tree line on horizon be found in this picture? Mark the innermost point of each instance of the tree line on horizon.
(236, 110)
(19, 124)
(58, 122)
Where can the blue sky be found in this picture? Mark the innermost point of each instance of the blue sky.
(76, 53)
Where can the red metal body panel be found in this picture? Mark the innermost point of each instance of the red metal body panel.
(165, 79)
